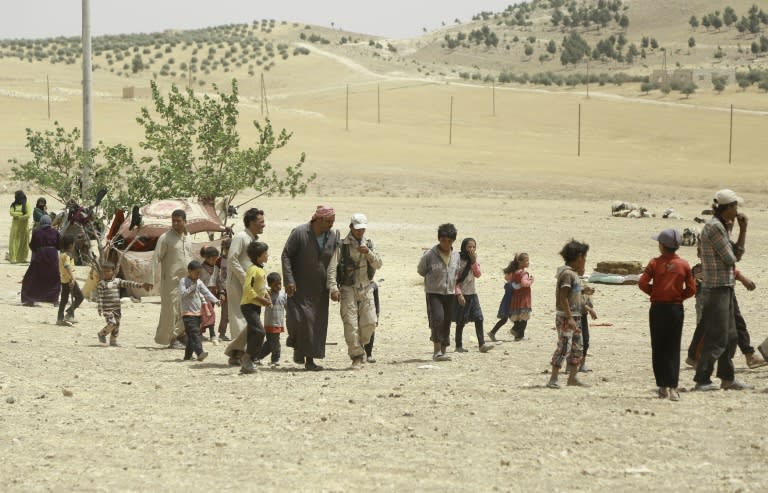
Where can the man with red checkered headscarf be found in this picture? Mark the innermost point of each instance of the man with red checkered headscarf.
(306, 256)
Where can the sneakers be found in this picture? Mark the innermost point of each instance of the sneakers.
(176, 345)
(552, 384)
(63, 323)
(113, 342)
(246, 365)
(312, 366)
(357, 364)
(370, 359)
(460, 349)
(102, 338)
(491, 336)
(690, 362)
(674, 395)
(485, 348)
(224, 338)
(735, 385)
(706, 387)
(753, 361)
(70, 317)
(234, 361)
(202, 356)
(662, 393)
(441, 357)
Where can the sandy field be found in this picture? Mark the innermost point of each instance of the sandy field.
(77, 416)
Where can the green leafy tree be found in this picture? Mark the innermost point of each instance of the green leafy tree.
(729, 16)
(137, 64)
(59, 162)
(193, 149)
(694, 22)
(688, 89)
(551, 47)
(574, 49)
(691, 42)
(528, 50)
(719, 82)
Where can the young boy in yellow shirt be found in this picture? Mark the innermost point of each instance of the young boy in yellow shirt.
(68, 283)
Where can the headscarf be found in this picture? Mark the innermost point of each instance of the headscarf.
(20, 199)
(45, 221)
(323, 211)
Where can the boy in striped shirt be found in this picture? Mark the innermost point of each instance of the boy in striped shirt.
(108, 291)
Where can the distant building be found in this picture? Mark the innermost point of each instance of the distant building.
(682, 76)
(137, 92)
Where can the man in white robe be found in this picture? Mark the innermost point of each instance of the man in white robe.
(172, 254)
(238, 263)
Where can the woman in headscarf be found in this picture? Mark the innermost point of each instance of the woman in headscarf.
(18, 248)
(42, 281)
(41, 209)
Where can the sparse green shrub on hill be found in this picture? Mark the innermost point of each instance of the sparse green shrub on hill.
(551, 47)
(688, 89)
(719, 82)
(574, 49)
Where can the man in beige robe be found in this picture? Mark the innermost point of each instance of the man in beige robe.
(172, 254)
(238, 264)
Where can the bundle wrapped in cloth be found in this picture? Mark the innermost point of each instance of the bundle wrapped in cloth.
(617, 272)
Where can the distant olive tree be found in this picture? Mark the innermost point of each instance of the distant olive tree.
(719, 82)
(688, 89)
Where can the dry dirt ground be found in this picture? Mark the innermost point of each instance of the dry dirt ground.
(138, 418)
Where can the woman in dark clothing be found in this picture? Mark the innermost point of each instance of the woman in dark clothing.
(41, 281)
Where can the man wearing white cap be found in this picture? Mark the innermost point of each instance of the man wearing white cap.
(718, 258)
(350, 281)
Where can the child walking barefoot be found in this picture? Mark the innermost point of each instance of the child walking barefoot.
(520, 306)
(503, 313)
(568, 313)
(668, 280)
(468, 308)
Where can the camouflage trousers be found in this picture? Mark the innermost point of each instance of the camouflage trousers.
(358, 313)
(569, 343)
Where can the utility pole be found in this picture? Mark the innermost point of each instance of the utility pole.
(87, 106)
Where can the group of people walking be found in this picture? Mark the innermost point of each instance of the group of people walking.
(320, 264)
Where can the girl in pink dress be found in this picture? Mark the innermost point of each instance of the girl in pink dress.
(520, 306)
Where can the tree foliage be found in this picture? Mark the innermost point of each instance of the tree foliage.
(58, 162)
(574, 49)
(194, 149)
(191, 146)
